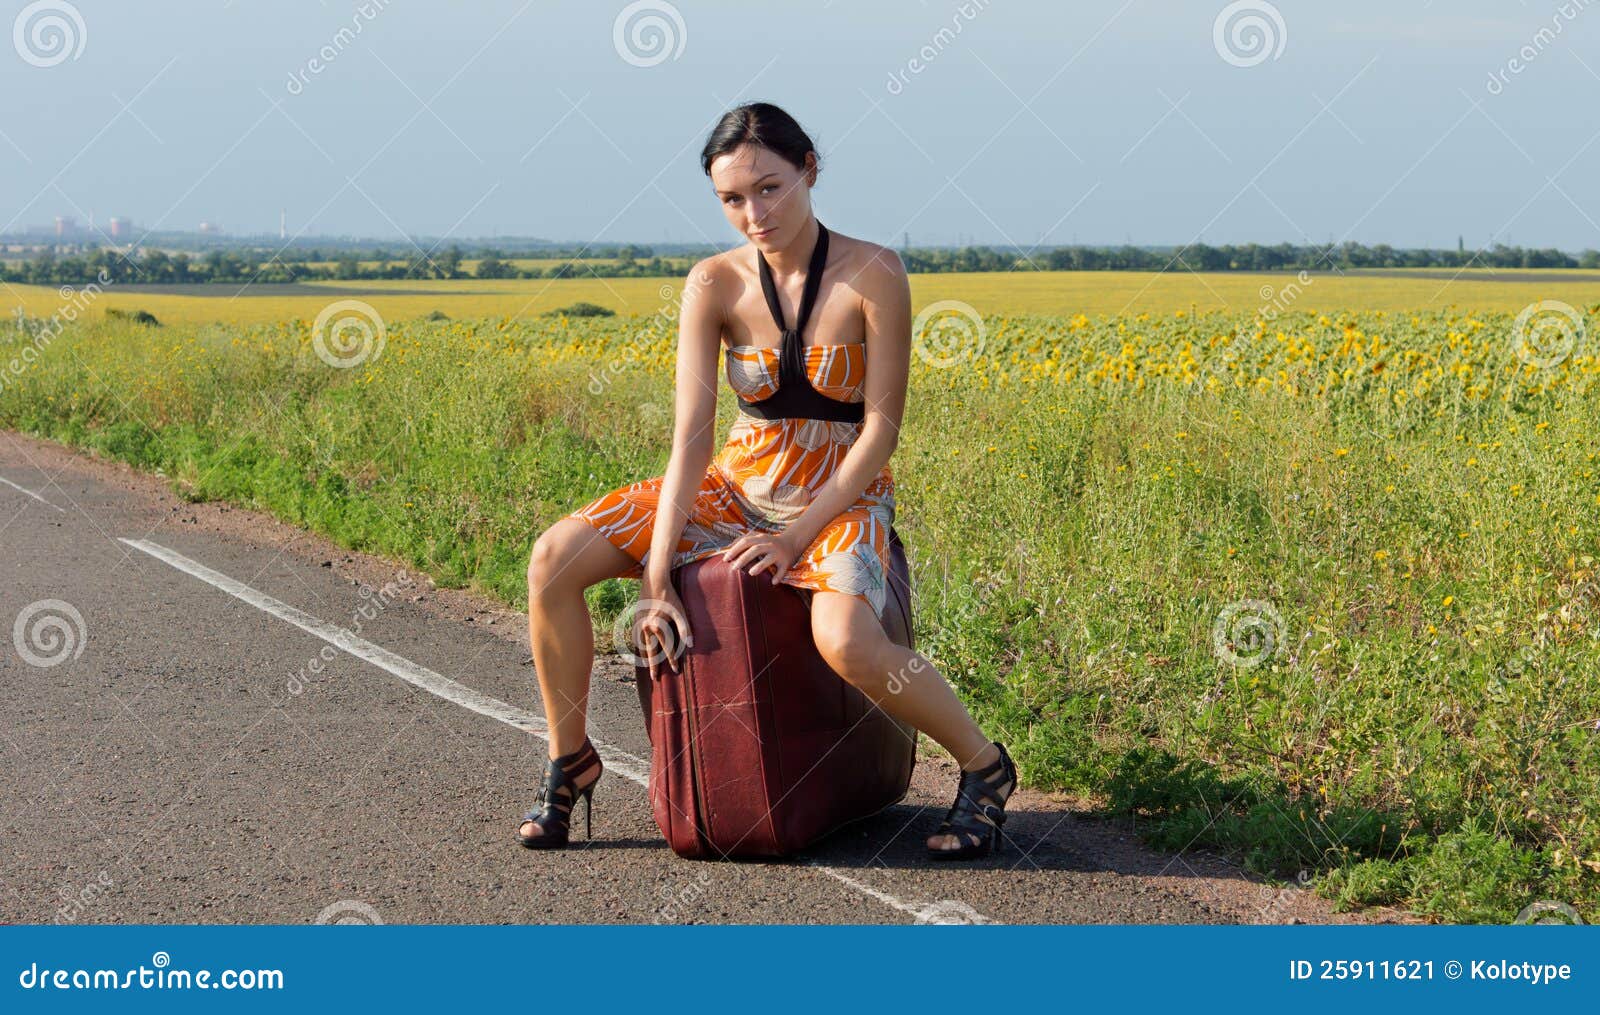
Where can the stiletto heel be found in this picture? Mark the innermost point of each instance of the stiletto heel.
(972, 815)
(554, 817)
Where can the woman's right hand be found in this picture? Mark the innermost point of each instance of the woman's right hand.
(660, 628)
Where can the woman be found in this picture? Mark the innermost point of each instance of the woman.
(801, 490)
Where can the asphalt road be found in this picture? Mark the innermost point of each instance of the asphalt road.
(187, 737)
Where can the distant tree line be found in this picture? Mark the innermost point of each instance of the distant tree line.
(158, 267)
(151, 266)
(1237, 257)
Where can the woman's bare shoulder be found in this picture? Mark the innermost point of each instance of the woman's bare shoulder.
(711, 281)
(718, 267)
(874, 270)
(861, 258)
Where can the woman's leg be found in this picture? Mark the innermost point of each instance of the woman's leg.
(567, 558)
(899, 680)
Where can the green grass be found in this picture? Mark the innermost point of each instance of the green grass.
(1418, 509)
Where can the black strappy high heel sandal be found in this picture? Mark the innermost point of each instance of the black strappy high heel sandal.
(971, 816)
(553, 817)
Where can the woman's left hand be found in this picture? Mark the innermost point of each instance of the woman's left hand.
(773, 551)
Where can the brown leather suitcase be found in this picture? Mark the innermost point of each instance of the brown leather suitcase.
(758, 748)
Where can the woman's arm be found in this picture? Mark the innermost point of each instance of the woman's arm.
(886, 308)
(695, 399)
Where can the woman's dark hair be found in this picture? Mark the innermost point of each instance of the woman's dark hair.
(759, 123)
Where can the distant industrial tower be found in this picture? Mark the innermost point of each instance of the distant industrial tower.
(283, 223)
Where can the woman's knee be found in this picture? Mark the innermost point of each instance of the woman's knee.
(854, 651)
(570, 556)
(552, 553)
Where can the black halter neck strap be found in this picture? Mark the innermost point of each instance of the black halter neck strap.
(796, 397)
(791, 354)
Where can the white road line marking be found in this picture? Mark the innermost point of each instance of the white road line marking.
(630, 765)
(30, 493)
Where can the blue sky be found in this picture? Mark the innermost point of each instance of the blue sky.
(1405, 122)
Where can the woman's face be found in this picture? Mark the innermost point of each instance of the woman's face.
(764, 197)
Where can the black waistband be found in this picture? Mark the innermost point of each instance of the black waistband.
(805, 402)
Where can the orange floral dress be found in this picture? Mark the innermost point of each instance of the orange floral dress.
(765, 475)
